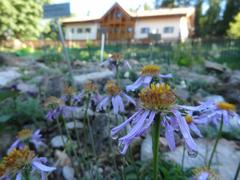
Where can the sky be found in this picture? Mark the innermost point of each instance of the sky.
(99, 7)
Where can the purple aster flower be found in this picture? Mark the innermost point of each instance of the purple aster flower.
(192, 122)
(148, 72)
(171, 125)
(29, 136)
(18, 160)
(89, 89)
(61, 111)
(115, 97)
(115, 61)
(214, 112)
(158, 101)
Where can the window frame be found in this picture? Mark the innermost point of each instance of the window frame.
(145, 30)
(88, 30)
(168, 30)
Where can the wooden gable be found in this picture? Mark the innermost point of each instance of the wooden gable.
(117, 24)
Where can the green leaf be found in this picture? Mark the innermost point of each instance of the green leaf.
(5, 118)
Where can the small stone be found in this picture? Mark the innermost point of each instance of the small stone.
(68, 173)
(62, 158)
(127, 74)
(58, 141)
(214, 98)
(72, 125)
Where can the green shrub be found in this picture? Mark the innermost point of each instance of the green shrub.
(84, 55)
(25, 51)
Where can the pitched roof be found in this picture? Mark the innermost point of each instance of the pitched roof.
(140, 14)
(165, 12)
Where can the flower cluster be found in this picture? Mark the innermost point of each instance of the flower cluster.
(19, 161)
(158, 101)
(27, 136)
(114, 95)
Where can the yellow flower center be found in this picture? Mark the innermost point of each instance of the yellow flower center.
(68, 90)
(90, 87)
(157, 97)
(53, 101)
(2, 169)
(17, 159)
(117, 57)
(150, 69)
(188, 119)
(212, 174)
(24, 134)
(226, 106)
(112, 88)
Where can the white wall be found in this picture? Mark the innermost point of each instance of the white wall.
(84, 35)
(157, 25)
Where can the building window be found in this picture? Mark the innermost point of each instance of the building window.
(145, 30)
(168, 30)
(118, 15)
(129, 29)
(88, 30)
(79, 30)
(72, 30)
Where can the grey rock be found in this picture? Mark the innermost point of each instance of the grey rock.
(209, 65)
(8, 75)
(81, 79)
(78, 113)
(235, 79)
(182, 93)
(8, 59)
(146, 149)
(68, 173)
(71, 125)
(58, 142)
(196, 77)
(224, 162)
(53, 86)
(27, 88)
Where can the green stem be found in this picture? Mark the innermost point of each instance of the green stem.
(110, 140)
(216, 143)
(91, 136)
(155, 140)
(183, 156)
(26, 174)
(61, 132)
(117, 74)
(86, 119)
(237, 172)
(72, 148)
(77, 133)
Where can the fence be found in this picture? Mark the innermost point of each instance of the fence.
(220, 50)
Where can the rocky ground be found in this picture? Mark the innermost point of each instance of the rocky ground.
(198, 83)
